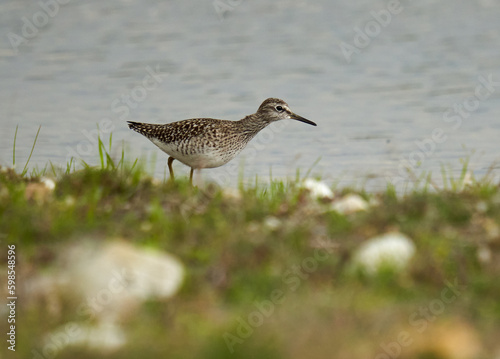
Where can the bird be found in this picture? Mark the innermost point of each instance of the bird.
(209, 143)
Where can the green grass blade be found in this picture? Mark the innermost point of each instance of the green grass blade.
(121, 163)
(101, 154)
(109, 162)
(85, 164)
(69, 164)
(25, 169)
(14, 148)
(53, 168)
(311, 168)
(134, 164)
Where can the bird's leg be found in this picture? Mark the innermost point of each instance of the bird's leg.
(191, 177)
(170, 160)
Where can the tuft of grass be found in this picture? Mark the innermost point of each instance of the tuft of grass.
(25, 169)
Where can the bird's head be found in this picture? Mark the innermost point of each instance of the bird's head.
(274, 109)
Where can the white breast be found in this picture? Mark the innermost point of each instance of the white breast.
(209, 158)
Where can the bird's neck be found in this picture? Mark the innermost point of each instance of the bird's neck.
(252, 125)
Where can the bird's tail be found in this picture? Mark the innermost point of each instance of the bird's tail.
(146, 129)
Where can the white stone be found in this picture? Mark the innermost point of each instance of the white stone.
(482, 207)
(131, 273)
(231, 193)
(272, 223)
(349, 204)
(484, 254)
(109, 280)
(389, 250)
(317, 189)
(49, 183)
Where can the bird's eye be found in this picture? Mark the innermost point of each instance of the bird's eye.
(279, 108)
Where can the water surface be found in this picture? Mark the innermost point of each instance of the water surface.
(415, 76)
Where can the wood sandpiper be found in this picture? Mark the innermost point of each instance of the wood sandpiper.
(207, 142)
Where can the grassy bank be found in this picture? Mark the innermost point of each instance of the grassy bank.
(268, 269)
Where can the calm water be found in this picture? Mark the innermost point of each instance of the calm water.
(410, 94)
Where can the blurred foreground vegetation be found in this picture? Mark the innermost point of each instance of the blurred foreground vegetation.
(268, 268)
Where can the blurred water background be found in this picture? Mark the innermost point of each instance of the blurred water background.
(391, 85)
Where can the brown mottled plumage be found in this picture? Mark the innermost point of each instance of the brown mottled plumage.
(207, 142)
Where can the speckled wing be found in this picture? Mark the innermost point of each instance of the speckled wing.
(194, 142)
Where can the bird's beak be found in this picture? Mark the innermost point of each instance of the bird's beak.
(301, 119)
